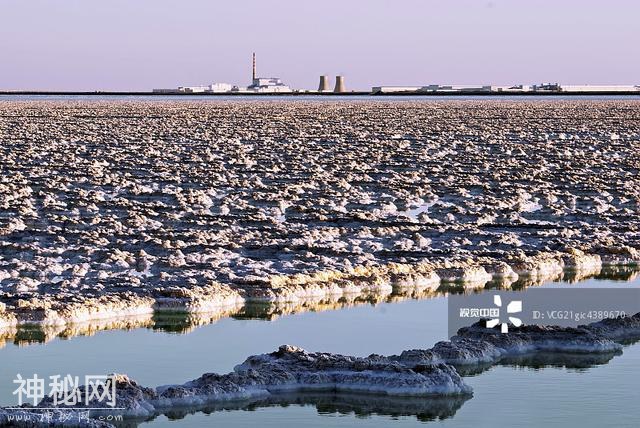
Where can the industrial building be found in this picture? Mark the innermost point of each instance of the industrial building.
(220, 87)
(214, 88)
(264, 84)
(275, 85)
(258, 84)
(394, 89)
(546, 87)
(456, 88)
(599, 88)
(514, 89)
(193, 89)
(446, 89)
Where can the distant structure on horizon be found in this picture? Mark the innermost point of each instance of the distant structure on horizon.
(274, 85)
(253, 60)
(515, 89)
(324, 84)
(258, 84)
(263, 84)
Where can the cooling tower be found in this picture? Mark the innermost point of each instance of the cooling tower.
(324, 84)
(339, 84)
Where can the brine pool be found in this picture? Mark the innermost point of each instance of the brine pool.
(540, 392)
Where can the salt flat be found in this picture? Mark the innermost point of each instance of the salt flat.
(125, 207)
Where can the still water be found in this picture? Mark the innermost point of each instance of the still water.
(548, 392)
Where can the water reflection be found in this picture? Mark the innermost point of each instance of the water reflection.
(424, 409)
(621, 273)
(184, 322)
(542, 360)
(618, 273)
(328, 403)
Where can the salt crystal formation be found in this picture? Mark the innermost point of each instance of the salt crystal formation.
(122, 208)
(478, 344)
(287, 370)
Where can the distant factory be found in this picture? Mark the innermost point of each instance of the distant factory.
(275, 85)
(268, 85)
(258, 85)
(515, 89)
(263, 84)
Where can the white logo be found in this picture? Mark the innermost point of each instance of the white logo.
(513, 307)
(65, 390)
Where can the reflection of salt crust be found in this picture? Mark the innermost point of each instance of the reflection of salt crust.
(427, 372)
(298, 289)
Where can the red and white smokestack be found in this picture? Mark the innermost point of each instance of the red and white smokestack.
(254, 67)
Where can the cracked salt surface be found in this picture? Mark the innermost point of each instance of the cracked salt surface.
(124, 208)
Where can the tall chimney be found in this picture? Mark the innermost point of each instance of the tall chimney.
(254, 68)
(324, 84)
(339, 85)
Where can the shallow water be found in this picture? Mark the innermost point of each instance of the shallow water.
(595, 393)
(600, 396)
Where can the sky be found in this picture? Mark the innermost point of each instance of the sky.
(145, 44)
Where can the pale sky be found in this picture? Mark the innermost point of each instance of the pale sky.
(145, 44)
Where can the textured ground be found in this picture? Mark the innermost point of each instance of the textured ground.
(115, 208)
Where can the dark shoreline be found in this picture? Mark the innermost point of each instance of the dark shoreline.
(324, 94)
